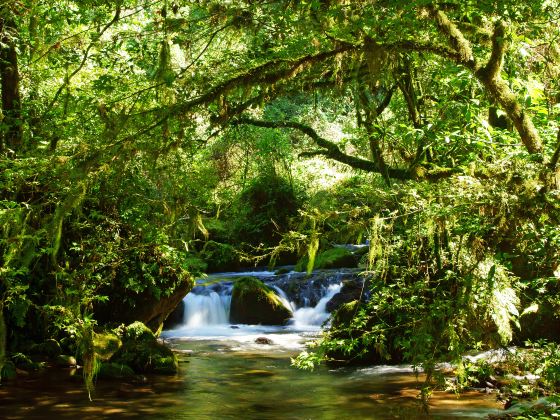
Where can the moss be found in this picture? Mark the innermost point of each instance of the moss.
(8, 371)
(331, 258)
(106, 344)
(142, 352)
(115, 371)
(253, 302)
(21, 361)
(49, 348)
(344, 314)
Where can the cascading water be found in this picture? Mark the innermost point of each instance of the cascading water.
(317, 315)
(206, 309)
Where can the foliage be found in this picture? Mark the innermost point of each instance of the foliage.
(142, 143)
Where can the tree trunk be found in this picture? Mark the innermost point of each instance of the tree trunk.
(522, 122)
(12, 130)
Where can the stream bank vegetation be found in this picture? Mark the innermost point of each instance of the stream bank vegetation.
(146, 142)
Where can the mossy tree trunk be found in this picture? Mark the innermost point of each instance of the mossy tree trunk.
(12, 133)
(490, 75)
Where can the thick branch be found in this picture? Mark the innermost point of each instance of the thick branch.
(456, 38)
(554, 159)
(330, 149)
(489, 76)
(265, 74)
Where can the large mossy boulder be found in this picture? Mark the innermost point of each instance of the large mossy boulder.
(253, 302)
(142, 352)
(148, 286)
(49, 348)
(115, 371)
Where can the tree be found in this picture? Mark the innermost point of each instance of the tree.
(12, 124)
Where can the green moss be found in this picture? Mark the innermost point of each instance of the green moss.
(331, 258)
(142, 352)
(137, 331)
(106, 344)
(344, 314)
(49, 348)
(8, 371)
(253, 302)
(115, 371)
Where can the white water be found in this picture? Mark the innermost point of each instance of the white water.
(206, 309)
(315, 316)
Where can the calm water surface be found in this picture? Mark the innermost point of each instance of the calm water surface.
(229, 376)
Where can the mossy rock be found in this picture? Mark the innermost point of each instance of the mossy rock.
(252, 302)
(64, 360)
(49, 348)
(23, 362)
(142, 352)
(331, 258)
(344, 314)
(115, 371)
(106, 344)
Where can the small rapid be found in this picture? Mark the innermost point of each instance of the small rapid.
(207, 311)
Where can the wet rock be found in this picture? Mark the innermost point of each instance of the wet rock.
(351, 290)
(64, 360)
(142, 352)
(115, 371)
(252, 302)
(49, 348)
(306, 291)
(264, 340)
(23, 362)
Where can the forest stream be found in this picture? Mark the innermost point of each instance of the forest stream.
(242, 371)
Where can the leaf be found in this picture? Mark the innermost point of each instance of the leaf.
(534, 308)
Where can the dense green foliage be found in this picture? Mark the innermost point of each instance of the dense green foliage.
(145, 142)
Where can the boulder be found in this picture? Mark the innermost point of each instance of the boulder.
(252, 302)
(49, 348)
(115, 371)
(142, 352)
(263, 340)
(351, 290)
(146, 307)
(63, 360)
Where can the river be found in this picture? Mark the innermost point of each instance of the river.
(225, 374)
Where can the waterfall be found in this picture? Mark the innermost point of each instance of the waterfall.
(284, 299)
(208, 308)
(309, 316)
